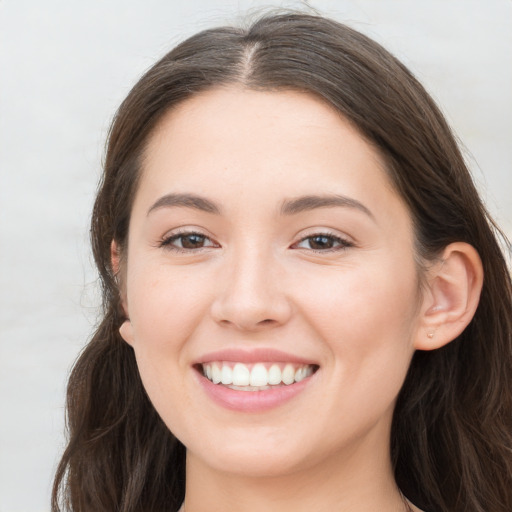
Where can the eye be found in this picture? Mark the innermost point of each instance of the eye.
(323, 242)
(187, 241)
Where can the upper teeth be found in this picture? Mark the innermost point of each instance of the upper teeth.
(257, 375)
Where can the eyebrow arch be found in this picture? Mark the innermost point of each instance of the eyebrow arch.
(289, 206)
(306, 203)
(187, 201)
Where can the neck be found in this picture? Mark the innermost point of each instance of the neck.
(345, 481)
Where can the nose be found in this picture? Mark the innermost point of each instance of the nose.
(251, 294)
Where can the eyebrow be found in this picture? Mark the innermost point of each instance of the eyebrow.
(288, 207)
(186, 201)
(312, 202)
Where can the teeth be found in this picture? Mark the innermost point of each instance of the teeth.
(257, 377)
(303, 372)
(241, 375)
(226, 375)
(288, 374)
(216, 374)
(274, 375)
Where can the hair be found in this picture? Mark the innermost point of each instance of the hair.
(451, 440)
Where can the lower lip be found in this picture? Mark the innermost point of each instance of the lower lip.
(252, 401)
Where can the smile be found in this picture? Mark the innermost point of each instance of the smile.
(256, 376)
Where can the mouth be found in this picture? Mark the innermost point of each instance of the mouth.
(258, 376)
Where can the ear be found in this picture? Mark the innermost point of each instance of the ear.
(451, 297)
(115, 257)
(126, 329)
(126, 332)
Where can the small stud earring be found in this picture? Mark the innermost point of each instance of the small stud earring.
(430, 334)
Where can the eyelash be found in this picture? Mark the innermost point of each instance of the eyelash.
(343, 243)
(167, 242)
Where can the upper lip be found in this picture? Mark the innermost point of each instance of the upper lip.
(258, 355)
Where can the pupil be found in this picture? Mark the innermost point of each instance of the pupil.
(192, 241)
(321, 242)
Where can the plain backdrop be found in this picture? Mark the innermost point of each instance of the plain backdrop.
(64, 68)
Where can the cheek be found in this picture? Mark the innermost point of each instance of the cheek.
(164, 304)
(365, 313)
(165, 308)
(365, 319)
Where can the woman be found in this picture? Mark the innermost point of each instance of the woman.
(305, 303)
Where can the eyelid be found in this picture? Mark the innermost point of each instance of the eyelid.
(165, 241)
(343, 241)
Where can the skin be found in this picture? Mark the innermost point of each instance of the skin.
(355, 310)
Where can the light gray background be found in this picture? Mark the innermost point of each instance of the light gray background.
(64, 68)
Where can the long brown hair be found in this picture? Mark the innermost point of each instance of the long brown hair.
(451, 441)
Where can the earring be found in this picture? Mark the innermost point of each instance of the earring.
(430, 334)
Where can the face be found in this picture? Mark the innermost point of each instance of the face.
(268, 250)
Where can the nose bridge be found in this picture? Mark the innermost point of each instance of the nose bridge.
(251, 293)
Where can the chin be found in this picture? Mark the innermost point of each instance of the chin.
(254, 453)
(252, 463)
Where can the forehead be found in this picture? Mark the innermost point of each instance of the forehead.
(236, 113)
(260, 144)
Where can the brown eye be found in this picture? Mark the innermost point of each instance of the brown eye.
(192, 241)
(187, 242)
(323, 242)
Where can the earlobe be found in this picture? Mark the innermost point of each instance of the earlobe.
(126, 331)
(452, 296)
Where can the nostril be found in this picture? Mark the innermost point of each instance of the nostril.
(250, 310)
